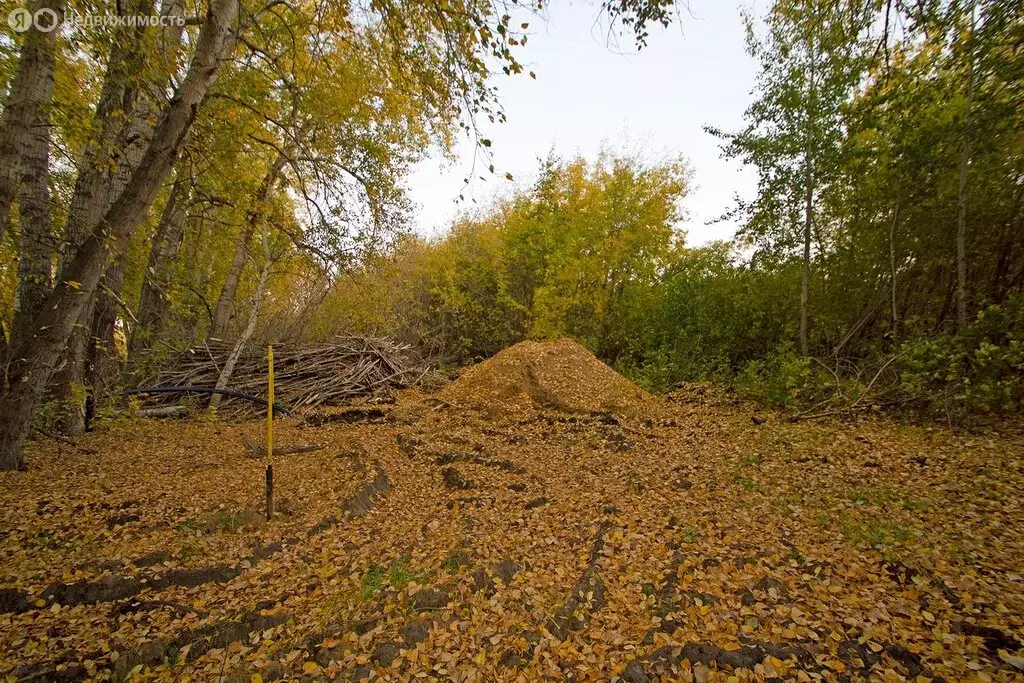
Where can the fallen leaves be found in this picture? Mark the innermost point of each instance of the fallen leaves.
(801, 562)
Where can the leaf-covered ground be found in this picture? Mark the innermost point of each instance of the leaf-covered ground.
(442, 543)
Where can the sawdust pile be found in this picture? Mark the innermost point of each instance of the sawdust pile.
(555, 375)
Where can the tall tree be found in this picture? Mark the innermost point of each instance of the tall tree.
(961, 223)
(141, 64)
(257, 215)
(29, 93)
(810, 56)
(32, 362)
(35, 253)
(155, 299)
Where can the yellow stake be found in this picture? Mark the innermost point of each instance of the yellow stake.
(270, 432)
(270, 405)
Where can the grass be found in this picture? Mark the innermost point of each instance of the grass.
(220, 522)
(688, 533)
(918, 505)
(189, 526)
(876, 533)
(371, 580)
(401, 575)
(453, 561)
(398, 575)
(747, 483)
(751, 460)
(867, 495)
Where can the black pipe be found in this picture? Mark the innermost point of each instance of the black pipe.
(278, 408)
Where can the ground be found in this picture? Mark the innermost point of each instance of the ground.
(678, 540)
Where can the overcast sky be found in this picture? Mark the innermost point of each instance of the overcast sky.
(587, 95)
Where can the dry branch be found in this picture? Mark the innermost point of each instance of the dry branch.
(327, 374)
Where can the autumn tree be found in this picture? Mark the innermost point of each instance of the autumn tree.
(31, 363)
(152, 96)
(811, 58)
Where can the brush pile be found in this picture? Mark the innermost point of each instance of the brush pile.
(304, 376)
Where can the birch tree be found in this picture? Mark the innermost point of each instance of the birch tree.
(810, 57)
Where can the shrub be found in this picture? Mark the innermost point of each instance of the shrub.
(979, 369)
(781, 378)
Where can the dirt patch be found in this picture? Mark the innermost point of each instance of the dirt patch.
(347, 416)
(428, 599)
(150, 559)
(86, 592)
(993, 639)
(362, 502)
(559, 375)
(483, 578)
(454, 480)
(13, 600)
(587, 595)
(199, 641)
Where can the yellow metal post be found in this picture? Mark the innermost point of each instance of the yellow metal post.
(270, 405)
(270, 432)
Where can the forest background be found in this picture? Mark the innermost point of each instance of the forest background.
(240, 178)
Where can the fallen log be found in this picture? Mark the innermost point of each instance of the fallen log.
(163, 411)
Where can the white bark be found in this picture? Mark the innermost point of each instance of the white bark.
(961, 226)
(32, 363)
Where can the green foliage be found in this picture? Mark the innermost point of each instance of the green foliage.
(981, 368)
(713, 316)
(578, 254)
(862, 144)
(780, 378)
(371, 581)
(751, 460)
(49, 416)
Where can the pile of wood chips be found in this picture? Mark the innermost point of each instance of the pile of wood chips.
(334, 373)
(555, 375)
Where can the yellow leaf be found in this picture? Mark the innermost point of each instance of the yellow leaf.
(255, 678)
(310, 667)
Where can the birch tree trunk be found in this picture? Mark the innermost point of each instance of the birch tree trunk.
(30, 91)
(236, 351)
(36, 243)
(961, 225)
(805, 277)
(892, 269)
(257, 213)
(154, 302)
(32, 363)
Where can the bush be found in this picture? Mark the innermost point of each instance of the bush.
(782, 378)
(979, 369)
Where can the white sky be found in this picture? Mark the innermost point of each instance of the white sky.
(587, 95)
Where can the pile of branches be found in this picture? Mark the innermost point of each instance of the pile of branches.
(304, 376)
